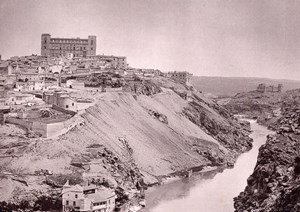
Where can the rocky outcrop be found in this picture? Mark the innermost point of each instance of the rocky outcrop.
(275, 182)
(215, 155)
(161, 117)
(230, 133)
(142, 87)
(252, 103)
(265, 107)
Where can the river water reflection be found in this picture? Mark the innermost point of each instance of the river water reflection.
(208, 192)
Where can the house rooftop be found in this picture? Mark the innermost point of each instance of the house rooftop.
(75, 188)
(101, 195)
(28, 73)
(3, 65)
(18, 94)
(89, 187)
(64, 96)
(83, 100)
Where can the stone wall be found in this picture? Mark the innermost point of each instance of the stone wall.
(55, 128)
(63, 110)
(83, 105)
(20, 122)
(39, 128)
(58, 128)
(45, 129)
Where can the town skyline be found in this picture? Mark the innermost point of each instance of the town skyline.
(207, 38)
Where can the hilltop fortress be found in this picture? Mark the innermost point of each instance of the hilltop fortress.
(63, 46)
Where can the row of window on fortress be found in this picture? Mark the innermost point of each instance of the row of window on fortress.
(68, 48)
(70, 41)
(57, 55)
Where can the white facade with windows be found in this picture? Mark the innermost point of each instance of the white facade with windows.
(87, 199)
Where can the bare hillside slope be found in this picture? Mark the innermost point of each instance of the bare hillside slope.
(125, 138)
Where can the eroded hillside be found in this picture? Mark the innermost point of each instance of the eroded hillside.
(124, 140)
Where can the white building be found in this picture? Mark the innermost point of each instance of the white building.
(64, 100)
(56, 69)
(30, 85)
(87, 199)
(21, 99)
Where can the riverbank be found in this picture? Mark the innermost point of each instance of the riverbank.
(212, 190)
(274, 183)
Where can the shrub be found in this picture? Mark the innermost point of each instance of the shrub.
(297, 165)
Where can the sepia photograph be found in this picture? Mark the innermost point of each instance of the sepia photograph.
(150, 105)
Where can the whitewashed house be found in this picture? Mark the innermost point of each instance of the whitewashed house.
(87, 199)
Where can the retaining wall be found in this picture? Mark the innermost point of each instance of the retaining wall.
(23, 123)
(45, 129)
(55, 128)
(40, 128)
(63, 110)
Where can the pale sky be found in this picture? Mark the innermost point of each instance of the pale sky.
(252, 38)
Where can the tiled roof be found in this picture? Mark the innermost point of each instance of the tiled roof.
(101, 195)
(75, 188)
(89, 187)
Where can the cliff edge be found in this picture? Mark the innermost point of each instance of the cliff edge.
(275, 182)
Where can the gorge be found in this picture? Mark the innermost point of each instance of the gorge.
(212, 190)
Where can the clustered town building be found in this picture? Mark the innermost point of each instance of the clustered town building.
(46, 93)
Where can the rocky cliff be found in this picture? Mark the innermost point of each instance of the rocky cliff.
(275, 182)
(265, 107)
(125, 141)
(254, 103)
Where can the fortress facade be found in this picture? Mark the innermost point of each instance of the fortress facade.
(62, 46)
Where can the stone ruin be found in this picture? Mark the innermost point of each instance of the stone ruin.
(271, 88)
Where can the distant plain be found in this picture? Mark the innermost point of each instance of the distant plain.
(229, 86)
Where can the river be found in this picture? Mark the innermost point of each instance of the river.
(211, 191)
